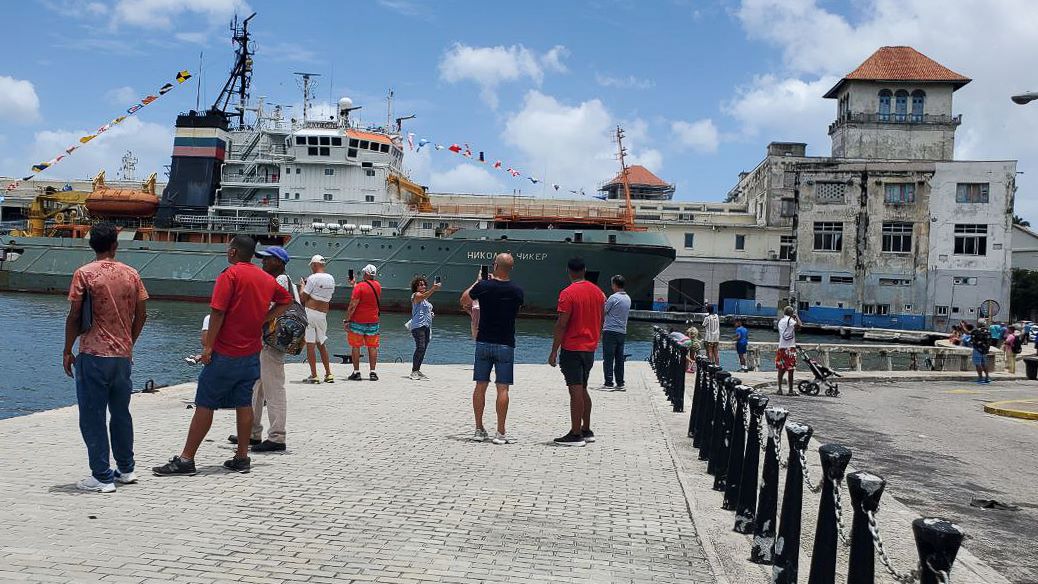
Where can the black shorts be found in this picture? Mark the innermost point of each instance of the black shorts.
(576, 366)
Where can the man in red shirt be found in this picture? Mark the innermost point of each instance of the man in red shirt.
(241, 304)
(577, 332)
(361, 322)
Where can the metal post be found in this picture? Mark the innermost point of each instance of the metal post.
(823, 558)
(937, 541)
(865, 490)
(733, 476)
(679, 378)
(767, 504)
(697, 401)
(727, 429)
(746, 507)
(712, 397)
(719, 417)
(705, 401)
(787, 544)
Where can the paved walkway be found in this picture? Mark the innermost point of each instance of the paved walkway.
(379, 484)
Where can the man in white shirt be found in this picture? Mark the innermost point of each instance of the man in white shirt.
(786, 356)
(712, 335)
(318, 289)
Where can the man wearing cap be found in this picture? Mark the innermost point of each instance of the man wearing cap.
(361, 323)
(318, 289)
(270, 388)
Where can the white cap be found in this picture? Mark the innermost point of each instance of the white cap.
(317, 259)
(370, 270)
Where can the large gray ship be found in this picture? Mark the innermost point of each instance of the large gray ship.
(332, 187)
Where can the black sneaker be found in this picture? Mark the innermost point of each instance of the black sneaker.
(588, 436)
(355, 376)
(242, 465)
(175, 466)
(620, 387)
(571, 440)
(268, 446)
(373, 376)
(607, 384)
(233, 439)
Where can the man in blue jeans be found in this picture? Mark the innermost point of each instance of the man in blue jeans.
(107, 312)
(614, 333)
(499, 302)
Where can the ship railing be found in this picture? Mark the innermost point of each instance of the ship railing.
(211, 222)
(562, 211)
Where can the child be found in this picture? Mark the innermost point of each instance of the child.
(742, 342)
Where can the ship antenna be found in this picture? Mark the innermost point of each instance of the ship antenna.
(622, 153)
(241, 76)
(389, 109)
(308, 91)
(400, 122)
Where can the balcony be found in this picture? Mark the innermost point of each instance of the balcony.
(897, 119)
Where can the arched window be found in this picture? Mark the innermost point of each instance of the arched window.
(884, 105)
(900, 105)
(918, 97)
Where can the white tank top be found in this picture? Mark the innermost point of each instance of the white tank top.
(320, 286)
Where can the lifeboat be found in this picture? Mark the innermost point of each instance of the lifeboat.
(108, 202)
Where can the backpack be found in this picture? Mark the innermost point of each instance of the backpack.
(286, 332)
(1018, 343)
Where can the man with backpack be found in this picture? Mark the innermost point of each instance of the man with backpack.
(361, 323)
(980, 338)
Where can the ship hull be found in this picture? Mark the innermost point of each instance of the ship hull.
(187, 271)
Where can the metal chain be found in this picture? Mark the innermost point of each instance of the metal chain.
(877, 542)
(839, 513)
(942, 576)
(807, 474)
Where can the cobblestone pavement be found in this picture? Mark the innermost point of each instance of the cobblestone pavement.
(379, 484)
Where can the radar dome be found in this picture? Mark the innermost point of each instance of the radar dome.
(345, 103)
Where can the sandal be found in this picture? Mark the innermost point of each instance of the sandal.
(329, 378)
(312, 379)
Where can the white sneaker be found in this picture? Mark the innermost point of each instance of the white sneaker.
(92, 484)
(415, 376)
(480, 435)
(129, 478)
(423, 376)
(500, 438)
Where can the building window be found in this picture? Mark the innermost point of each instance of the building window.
(690, 240)
(894, 282)
(787, 245)
(964, 281)
(363, 144)
(369, 198)
(327, 197)
(841, 279)
(384, 148)
(351, 152)
(740, 242)
(940, 311)
(918, 97)
(955, 310)
(336, 141)
(972, 192)
(907, 308)
(369, 171)
(809, 278)
(394, 224)
(325, 140)
(377, 223)
(828, 236)
(868, 309)
(354, 142)
(311, 151)
(788, 208)
(884, 105)
(444, 225)
(300, 140)
(299, 171)
(427, 225)
(297, 196)
(287, 195)
(830, 193)
(288, 170)
(971, 239)
(329, 171)
(295, 221)
(882, 309)
(899, 193)
(803, 305)
(900, 105)
(897, 237)
(325, 151)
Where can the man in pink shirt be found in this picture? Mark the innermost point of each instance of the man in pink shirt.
(107, 312)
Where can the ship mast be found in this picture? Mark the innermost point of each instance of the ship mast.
(622, 153)
(308, 91)
(241, 76)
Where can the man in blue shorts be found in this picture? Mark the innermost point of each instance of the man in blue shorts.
(241, 304)
(742, 343)
(499, 302)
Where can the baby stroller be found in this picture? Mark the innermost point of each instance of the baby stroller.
(822, 375)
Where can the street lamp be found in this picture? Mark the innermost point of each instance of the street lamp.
(1024, 98)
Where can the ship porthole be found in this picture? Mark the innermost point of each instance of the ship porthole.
(423, 247)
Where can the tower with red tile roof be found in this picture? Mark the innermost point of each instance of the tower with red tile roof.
(644, 186)
(897, 105)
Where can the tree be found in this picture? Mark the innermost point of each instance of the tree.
(1023, 295)
(1018, 220)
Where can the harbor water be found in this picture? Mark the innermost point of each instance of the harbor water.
(33, 380)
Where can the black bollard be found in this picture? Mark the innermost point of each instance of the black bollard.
(787, 543)
(713, 392)
(937, 541)
(705, 401)
(865, 490)
(697, 401)
(681, 354)
(746, 507)
(767, 504)
(823, 558)
(727, 428)
(733, 476)
(718, 420)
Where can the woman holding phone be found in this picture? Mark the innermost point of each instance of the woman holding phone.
(421, 322)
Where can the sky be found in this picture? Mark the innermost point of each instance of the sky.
(699, 86)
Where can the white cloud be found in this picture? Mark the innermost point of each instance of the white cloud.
(488, 67)
(283, 52)
(195, 38)
(465, 178)
(406, 8)
(574, 144)
(122, 96)
(160, 13)
(18, 100)
(819, 46)
(629, 82)
(700, 135)
(151, 143)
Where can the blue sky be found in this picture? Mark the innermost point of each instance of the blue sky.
(701, 86)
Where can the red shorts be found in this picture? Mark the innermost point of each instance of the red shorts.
(786, 359)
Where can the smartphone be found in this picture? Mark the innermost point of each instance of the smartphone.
(438, 280)
(351, 275)
(484, 272)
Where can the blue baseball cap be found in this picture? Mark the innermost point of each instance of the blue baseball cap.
(274, 251)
